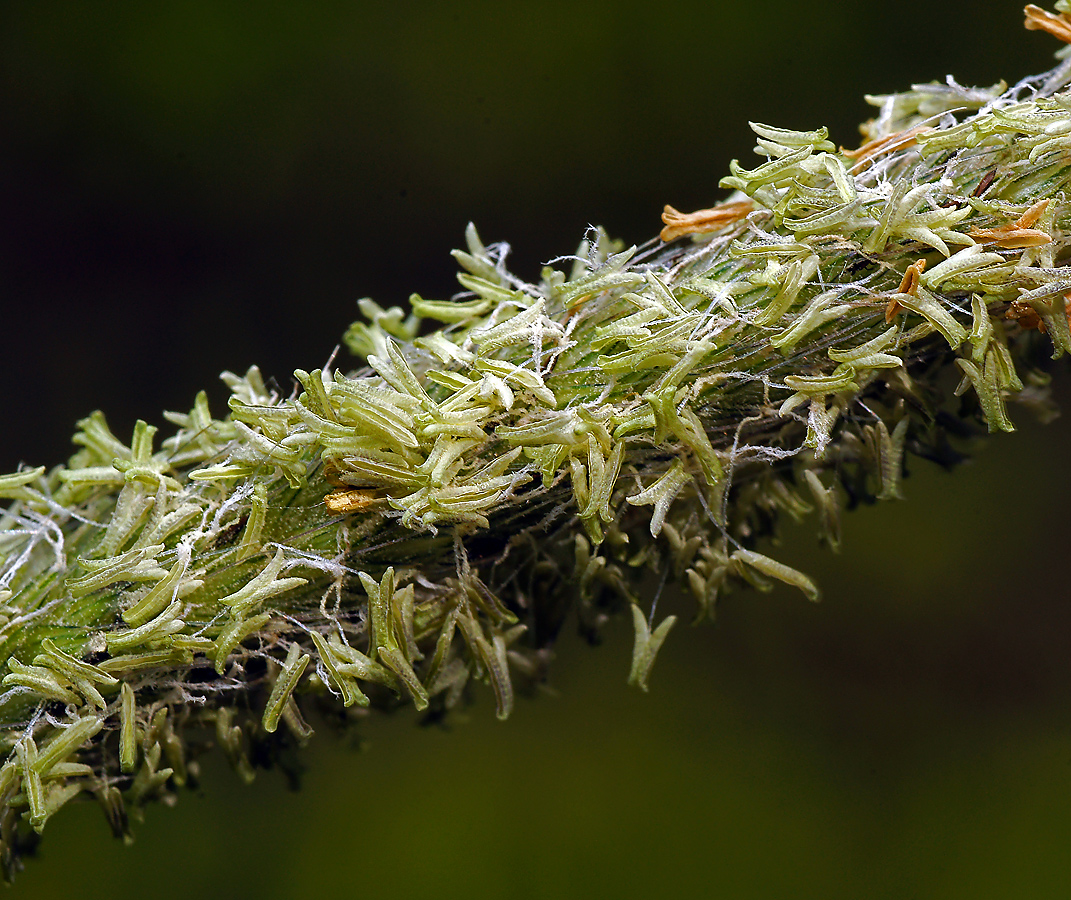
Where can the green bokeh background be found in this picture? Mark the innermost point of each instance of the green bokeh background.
(196, 186)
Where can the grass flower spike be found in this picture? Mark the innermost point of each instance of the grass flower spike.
(422, 525)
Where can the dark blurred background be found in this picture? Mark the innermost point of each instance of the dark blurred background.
(197, 186)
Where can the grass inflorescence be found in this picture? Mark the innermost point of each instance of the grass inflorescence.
(397, 533)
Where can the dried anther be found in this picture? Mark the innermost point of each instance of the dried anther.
(1028, 318)
(1018, 235)
(1025, 315)
(899, 141)
(909, 285)
(701, 221)
(1038, 19)
(985, 183)
(343, 502)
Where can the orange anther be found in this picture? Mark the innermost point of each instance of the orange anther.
(701, 221)
(1018, 235)
(909, 285)
(1038, 19)
(897, 141)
